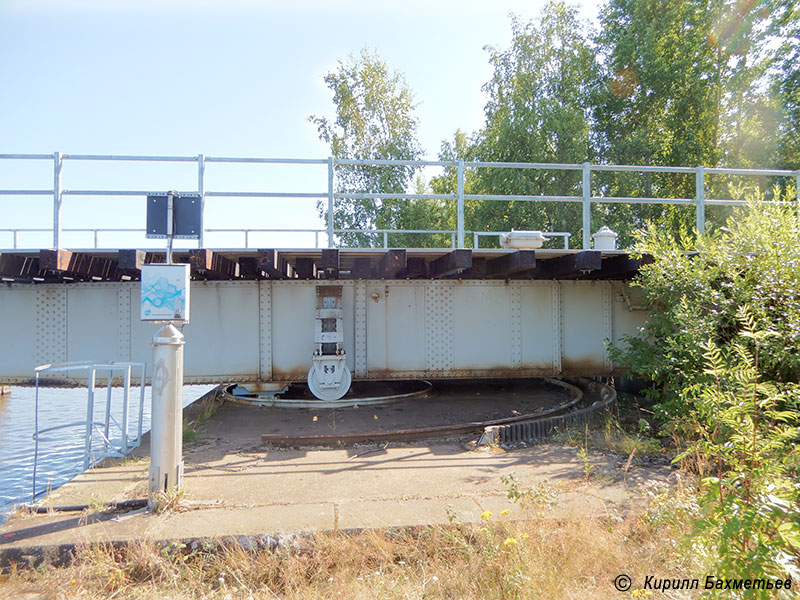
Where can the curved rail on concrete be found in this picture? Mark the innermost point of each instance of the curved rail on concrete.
(273, 401)
(442, 431)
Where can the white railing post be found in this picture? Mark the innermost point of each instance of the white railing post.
(460, 204)
(201, 190)
(330, 202)
(700, 195)
(57, 164)
(586, 189)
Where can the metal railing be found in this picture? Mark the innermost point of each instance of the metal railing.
(330, 196)
(111, 447)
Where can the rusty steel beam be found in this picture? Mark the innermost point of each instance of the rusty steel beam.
(511, 264)
(362, 268)
(416, 268)
(271, 262)
(330, 263)
(305, 267)
(569, 266)
(619, 267)
(452, 263)
(248, 268)
(210, 263)
(391, 263)
(14, 265)
(79, 264)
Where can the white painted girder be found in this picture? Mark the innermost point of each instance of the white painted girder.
(264, 330)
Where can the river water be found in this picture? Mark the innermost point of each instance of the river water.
(61, 456)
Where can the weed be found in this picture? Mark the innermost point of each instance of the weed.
(539, 495)
(190, 434)
(587, 466)
(168, 501)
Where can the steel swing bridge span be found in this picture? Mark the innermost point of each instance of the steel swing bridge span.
(401, 313)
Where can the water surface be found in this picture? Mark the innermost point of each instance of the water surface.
(61, 454)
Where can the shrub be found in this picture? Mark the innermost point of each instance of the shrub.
(695, 287)
(750, 499)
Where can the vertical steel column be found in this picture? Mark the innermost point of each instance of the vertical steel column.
(201, 190)
(57, 164)
(141, 405)
(126, 396)
(460, 204)
(330, 202)
(166, 433)
(586, 188)
(107, 429)
(700, 194)
(89, 419)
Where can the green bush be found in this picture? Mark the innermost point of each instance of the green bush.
(750, 499)
(695, 287)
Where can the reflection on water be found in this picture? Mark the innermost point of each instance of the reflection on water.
(61, 456)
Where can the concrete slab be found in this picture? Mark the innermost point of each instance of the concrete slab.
(236, 486)
(257, 491)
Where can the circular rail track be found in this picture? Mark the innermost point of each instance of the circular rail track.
(503, 411)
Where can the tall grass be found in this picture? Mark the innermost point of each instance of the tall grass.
(536, 558)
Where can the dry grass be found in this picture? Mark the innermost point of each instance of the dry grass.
(537, 558)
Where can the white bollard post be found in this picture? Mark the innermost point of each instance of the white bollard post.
(166, 433)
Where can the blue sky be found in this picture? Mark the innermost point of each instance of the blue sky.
(234, 78)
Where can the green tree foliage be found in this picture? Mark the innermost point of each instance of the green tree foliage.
(538, 111)
(374, 120)
(787, 83)
(695, 288)
(656, 104)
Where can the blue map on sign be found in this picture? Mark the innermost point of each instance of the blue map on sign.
(166, 298)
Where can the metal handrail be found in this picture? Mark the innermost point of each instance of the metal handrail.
(585, 198)
(102, 427)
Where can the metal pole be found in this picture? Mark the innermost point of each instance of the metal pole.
(586, 188)
(700, 193)
(141, 404)
(330, 202)
(385, 240)
(201, 190)
(108, 405)
(460, 204)
(170, 221)
(166, 434)
(36, 438)
(89, 419)
(125, 405)
(57, 164)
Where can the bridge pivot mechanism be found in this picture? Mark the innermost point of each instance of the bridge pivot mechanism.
(329, 377)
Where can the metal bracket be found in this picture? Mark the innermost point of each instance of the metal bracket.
(329, 378)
